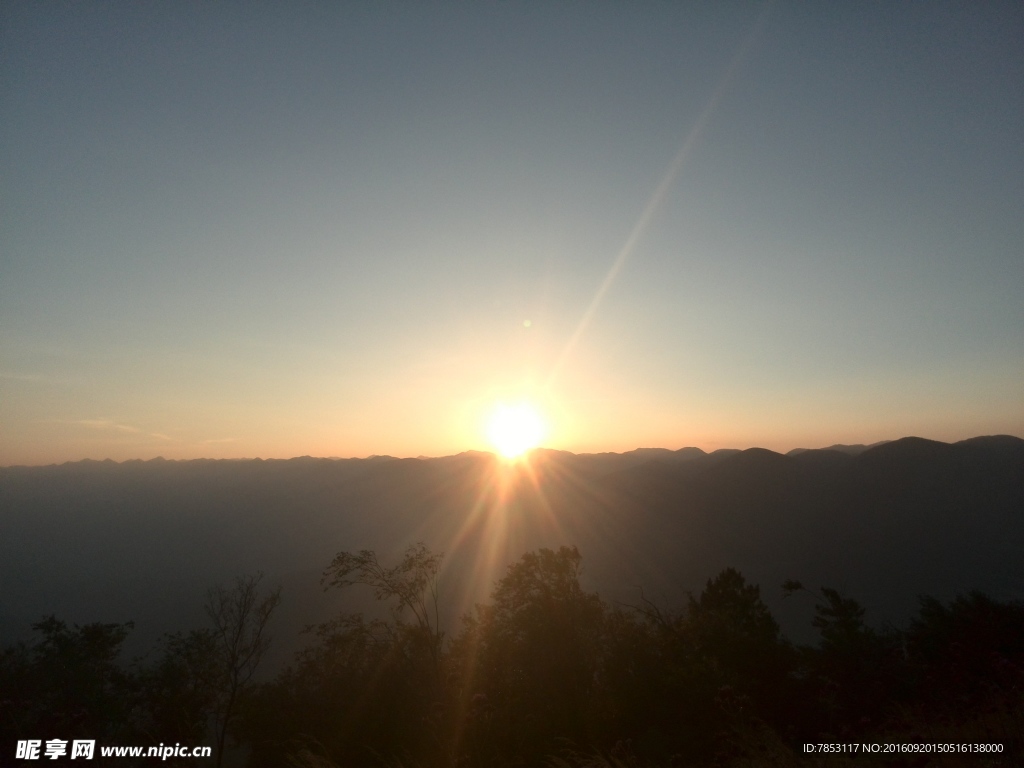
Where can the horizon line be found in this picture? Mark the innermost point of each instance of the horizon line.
(799, 449)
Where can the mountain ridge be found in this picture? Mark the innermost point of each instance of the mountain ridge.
(143, 540)
(648, 453)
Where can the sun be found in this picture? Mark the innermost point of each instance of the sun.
(515, 429)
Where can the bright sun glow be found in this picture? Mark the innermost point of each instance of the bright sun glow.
(515, 429)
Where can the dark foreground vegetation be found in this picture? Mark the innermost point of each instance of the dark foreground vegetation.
(143, 540)
(546, 673)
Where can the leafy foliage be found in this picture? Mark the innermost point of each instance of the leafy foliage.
(528, 660)
(544, 674)
(411, 585)
(363, 687)
(178, 693)
(68, 681)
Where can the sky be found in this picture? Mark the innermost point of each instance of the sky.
(342, 229)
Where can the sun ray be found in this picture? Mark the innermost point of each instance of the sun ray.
(656, 198)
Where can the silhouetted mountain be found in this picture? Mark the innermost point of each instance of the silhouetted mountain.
(101, 541)
(853, 450)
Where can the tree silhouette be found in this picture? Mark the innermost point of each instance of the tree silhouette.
(544, 665)
(856, 670)
(179, 692)
(411, 585)
(532, 655)
(239, 618)
(724, 664)
(968, 655)
(364, 686)
(67, 682)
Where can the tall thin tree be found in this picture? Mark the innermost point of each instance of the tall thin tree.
(239, 617)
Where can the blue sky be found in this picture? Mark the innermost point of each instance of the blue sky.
(346, 229)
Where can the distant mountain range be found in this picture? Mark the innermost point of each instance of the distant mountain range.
(853, 450)
(102, 541)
